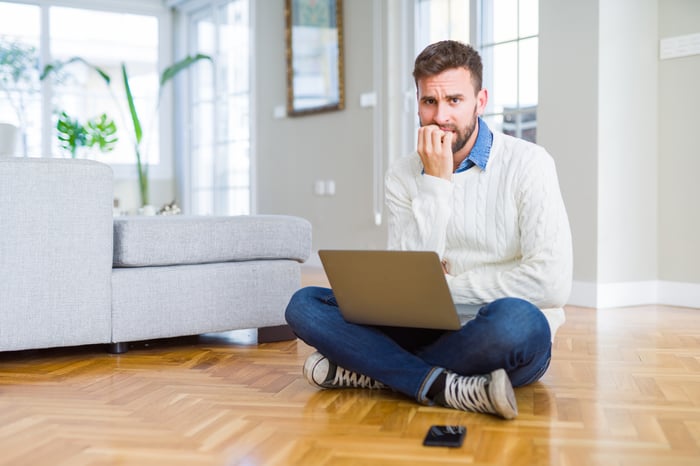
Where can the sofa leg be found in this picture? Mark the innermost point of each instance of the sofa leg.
(276, 333)
(118, 348)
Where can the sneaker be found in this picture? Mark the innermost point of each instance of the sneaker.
(322, 373)
(491, 393)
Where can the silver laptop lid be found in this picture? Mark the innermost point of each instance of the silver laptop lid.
(392, 288)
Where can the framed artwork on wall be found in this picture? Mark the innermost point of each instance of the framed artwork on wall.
(314, 53)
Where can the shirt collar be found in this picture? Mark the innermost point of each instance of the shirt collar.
(479, 155)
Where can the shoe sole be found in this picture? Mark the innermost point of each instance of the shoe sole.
(502, 395)
(310, 366)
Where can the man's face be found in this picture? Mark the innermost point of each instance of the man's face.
(449, 101)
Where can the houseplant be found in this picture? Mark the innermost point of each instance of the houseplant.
(136, 124)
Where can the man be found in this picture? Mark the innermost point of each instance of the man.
(490, 206)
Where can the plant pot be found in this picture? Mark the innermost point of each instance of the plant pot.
(148, 210)
(8, 139)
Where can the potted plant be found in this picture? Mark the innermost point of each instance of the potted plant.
(137, 136)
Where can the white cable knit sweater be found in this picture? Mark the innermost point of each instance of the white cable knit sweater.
(503, 231)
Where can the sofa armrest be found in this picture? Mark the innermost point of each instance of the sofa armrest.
(55, 252)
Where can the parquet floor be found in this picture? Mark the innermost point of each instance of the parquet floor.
(623, 389)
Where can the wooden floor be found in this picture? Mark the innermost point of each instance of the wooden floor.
(623, 389)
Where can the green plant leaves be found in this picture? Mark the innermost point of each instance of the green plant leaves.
(56, 66)
(141, 168)
(138, 132)
(71, 134)
(171, 71)
(18, 62)
(100, 131)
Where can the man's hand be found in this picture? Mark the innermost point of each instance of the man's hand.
(435, 150)
(444, 267)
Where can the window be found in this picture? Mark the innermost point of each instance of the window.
(20, 97)
(508, 43)
(219, 168)
(75, 93)
(442, 19)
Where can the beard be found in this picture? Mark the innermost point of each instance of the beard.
(461, 135)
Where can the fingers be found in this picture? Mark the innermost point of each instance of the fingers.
(447, 141)
(430, 140)
(434, 140)
(435, 150)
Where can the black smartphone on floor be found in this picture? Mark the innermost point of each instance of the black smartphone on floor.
(445, 436)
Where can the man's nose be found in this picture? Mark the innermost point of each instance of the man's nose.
(442, 113)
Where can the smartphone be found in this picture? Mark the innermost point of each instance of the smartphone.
(445, 436)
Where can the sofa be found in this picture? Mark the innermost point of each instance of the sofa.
(73, 274)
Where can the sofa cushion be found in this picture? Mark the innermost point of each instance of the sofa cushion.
(184, 239)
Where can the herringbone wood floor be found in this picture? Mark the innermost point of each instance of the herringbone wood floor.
(623, 389)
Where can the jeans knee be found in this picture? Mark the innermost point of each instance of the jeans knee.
(295, 306)
(304, 303)
(519, 317)
(511, 305)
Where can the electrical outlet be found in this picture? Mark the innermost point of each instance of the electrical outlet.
(368, 99)
(319, 188)
(679, 46)
(330, 187)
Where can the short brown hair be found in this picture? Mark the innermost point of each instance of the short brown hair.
(445, 55)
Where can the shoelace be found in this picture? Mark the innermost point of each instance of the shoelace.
(468, 393)
(346, 378)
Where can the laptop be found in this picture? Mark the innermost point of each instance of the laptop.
(393, 288)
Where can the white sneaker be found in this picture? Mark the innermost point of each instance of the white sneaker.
(491, 393)
(322, 373)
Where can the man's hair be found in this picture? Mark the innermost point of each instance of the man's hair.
(446, 55)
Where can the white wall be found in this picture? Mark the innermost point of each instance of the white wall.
(679, 148)
(627, 141)
(611, 113)
(568, 117)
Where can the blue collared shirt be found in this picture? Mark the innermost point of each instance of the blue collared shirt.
(479, 154)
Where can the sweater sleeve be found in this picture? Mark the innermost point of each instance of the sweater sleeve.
(417, 222)
(543, 272)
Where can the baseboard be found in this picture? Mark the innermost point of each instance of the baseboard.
(584, 294)
(606, 295)
(680, 294)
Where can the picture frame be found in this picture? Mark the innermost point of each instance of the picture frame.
(314, 55)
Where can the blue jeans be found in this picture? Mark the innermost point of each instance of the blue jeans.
(508, 333)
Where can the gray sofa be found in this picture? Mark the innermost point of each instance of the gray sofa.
(72, 274)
